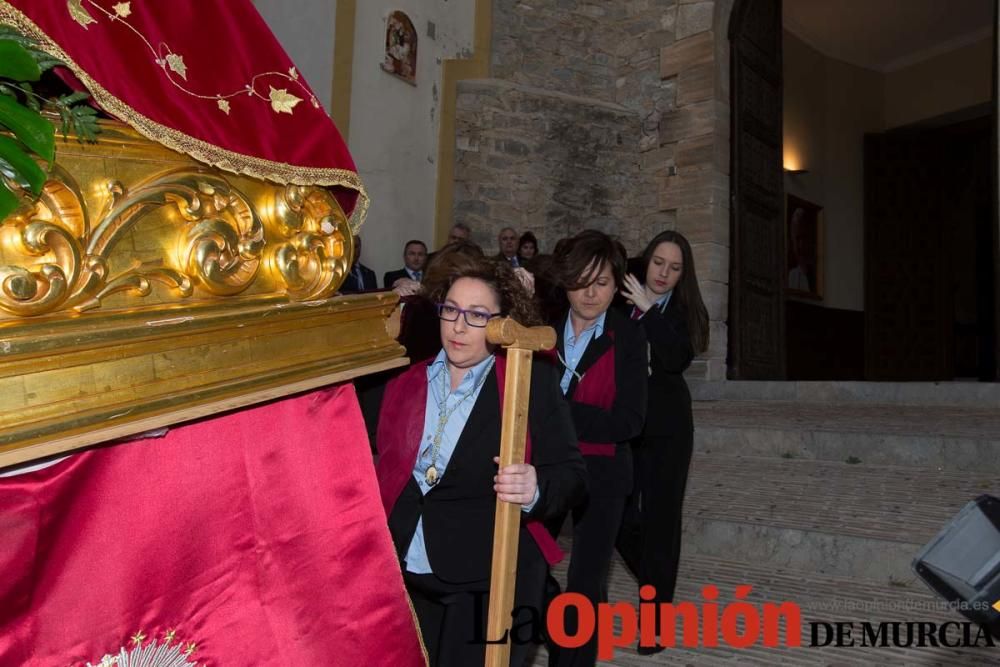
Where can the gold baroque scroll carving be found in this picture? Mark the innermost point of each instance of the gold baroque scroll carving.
(64, 264)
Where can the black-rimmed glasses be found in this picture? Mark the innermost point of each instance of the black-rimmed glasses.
(474, 318)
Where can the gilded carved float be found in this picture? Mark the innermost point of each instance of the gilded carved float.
(144, 288)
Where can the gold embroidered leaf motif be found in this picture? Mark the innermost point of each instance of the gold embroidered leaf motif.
(78, 13)
(224, 105)
(282, 101)
(176, 63)
(292, 73)
(123, 9)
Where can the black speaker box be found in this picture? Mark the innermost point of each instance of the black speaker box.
(962, 563)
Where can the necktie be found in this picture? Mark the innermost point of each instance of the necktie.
(417, 275)
(358, 278)
(636, 313)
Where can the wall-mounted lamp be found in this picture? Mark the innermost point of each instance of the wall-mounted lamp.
(792, 158)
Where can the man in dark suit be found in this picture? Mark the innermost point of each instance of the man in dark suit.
(361, 278)
(414, 261)
(507, 240)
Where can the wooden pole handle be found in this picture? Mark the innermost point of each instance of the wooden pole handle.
(520, 342)
(508, 333)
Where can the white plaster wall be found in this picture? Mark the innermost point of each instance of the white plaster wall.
(394, 125)
(305, 29)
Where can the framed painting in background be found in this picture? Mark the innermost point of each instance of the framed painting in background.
(401, 47)
(804, 259)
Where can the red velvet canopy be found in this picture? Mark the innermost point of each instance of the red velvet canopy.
(203, 77)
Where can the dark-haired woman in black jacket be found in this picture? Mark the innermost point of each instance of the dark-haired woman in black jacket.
(670, 310)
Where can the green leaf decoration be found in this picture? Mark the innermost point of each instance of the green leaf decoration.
(85, 123)
(28, 173)
(44, 61)
(17, 63)
(73, 98)
(8, 202)
(30, 127)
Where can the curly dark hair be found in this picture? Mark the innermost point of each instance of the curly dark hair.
(515, 302)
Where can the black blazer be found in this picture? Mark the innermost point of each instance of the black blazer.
(351, 286)
(392, 276)
(612, 476)
(459, 512)
(671, 353)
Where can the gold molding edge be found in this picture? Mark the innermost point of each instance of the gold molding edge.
(41, 447)
(345, 22)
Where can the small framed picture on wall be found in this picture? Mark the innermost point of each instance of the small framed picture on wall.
(804, 242)
(400, 48)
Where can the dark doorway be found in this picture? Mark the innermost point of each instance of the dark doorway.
(929, 267)
(926, 243)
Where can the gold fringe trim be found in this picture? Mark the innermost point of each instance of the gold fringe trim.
(231, 161)
(416, 624)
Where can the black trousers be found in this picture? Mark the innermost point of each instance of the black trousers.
(595, 527)
(650, 538)
(453, 617)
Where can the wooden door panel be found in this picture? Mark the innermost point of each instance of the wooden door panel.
(756, 315)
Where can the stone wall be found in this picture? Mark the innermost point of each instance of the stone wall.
(694, 142)
(567, 46)
(543, 161)
(607, 115)
(603, 58)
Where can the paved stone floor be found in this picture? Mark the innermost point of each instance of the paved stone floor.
(825, 505)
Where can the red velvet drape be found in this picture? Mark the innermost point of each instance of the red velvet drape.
(204, 77)
(257, 537)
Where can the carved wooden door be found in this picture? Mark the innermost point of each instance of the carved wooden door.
(756, 298)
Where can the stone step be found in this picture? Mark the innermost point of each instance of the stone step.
(961, 394)
(823, 517)
(822, 598)
(945, 437)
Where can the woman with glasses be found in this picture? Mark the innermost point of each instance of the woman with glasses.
(438, 440)
(603, 374)
(669, 307)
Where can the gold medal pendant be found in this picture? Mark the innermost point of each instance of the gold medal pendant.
(431, 476)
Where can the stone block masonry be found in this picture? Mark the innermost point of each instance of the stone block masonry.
(545, 161)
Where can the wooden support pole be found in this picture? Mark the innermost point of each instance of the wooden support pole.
(520, 343)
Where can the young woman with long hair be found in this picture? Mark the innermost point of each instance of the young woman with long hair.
(669, 308)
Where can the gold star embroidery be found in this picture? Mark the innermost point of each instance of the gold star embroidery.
(190, 648)
(282, 101)
(224, 105)
(176, 63)
(123, 9)
(138, 638)
(169, 637)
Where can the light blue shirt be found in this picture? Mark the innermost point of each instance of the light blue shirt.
(438, 390)
(574, 347)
